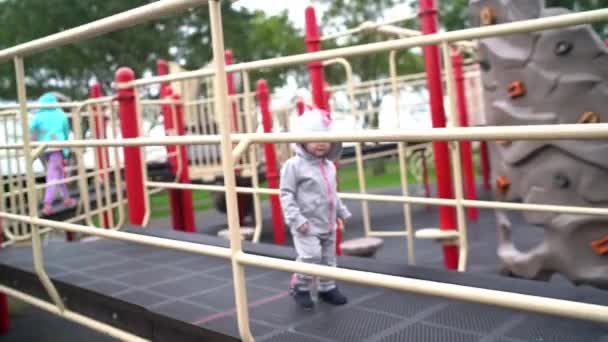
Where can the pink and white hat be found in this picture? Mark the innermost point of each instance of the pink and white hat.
(313, 120)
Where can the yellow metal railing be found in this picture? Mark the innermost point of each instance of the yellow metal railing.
(226, 140)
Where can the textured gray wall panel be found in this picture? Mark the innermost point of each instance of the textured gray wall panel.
(565, 74)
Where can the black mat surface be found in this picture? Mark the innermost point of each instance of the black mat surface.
(172, 296)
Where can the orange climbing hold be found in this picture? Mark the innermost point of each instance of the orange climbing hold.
(600, 247)
(589, 117)
(503, 184)
(516, 89)
(487, 16)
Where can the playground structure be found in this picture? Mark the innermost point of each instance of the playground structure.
(96, 168)
(130, 106)
(189, 105)
(94, 174)
(360, 111)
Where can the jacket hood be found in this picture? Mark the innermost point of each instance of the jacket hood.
(48, 98)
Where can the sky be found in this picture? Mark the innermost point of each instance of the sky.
(295, 8)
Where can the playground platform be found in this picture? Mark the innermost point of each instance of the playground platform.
(167, 296)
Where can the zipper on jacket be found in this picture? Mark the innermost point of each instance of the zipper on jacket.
(329, 194)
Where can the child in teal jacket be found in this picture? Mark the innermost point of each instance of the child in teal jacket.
(51, 124)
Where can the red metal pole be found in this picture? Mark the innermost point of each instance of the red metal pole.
(271, 162)
(177, 217)
(315, 68)
(185, 196)
(466, 153)
(300, 105)
(5, 321)
(485, 164)
(129, 127)
(165, 93)
(101, 152)
(447, 215)
(317, 81)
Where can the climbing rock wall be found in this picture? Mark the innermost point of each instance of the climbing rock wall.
(550, 77)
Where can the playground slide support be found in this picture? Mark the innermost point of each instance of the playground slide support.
(129, 127)
(180, 201)
(185, 196)
(447, 215)
(465, 146)
(272, 171)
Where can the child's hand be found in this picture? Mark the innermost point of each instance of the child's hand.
(303, 229)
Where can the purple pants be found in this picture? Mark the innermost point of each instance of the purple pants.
(54, 173)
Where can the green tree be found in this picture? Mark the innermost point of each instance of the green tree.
(68, 69)
(343, 14)
(184, 38)
(251, 35)
(454, 14)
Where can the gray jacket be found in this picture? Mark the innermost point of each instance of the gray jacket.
(308, 191)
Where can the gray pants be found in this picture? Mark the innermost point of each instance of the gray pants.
(314, 249)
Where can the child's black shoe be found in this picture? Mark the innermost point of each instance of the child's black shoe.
(333, 296)
(303, 299)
